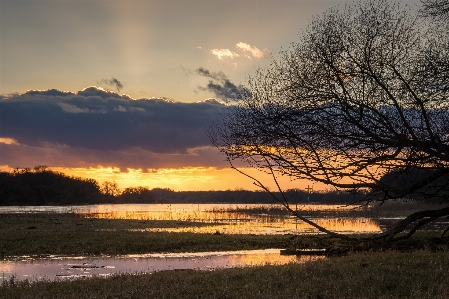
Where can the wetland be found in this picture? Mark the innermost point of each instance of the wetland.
(40, 246)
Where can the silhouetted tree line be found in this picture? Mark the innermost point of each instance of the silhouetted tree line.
(41, 186)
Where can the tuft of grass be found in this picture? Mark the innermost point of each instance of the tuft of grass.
(420, 274)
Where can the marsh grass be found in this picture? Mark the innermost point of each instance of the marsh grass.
(70, 234)
(392, 208)
(420, 274)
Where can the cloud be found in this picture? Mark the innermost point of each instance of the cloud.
(243, 50)
(93, 126)
(49, 92)
(113, 82)
(220, 86)
(224, 53)
(8, 141)
(54, 155)
(120, 108)
(100, 92)
(255, 52)
(218, 76)
(213, 101)
(74, 109)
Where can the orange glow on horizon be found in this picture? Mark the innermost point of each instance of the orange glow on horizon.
(182, 179)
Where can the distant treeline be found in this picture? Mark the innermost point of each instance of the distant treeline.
(40, 186)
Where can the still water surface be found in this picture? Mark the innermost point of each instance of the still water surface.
(55, 267)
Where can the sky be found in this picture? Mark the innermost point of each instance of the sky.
(125, 90)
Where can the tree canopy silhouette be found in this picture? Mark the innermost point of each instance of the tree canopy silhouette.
(360, 102)
(42, 186)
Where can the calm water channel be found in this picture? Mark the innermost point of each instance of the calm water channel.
(58, 267)
(223, 218)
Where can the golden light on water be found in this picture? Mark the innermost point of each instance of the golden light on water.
(196, 211)
(281, 226)
(270, 259)
(350, 225)
(226, 219)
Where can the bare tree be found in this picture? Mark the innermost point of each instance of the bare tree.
(436, 8)
(359, 103)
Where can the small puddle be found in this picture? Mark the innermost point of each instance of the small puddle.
(59, 267)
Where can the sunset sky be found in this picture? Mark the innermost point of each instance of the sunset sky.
(124, 90)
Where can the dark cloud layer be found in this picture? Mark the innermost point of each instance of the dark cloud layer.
(105, 126)
(220, 86)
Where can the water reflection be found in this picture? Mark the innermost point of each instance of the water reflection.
(285, 226)
(69, 267)
(226, 218)
(194, 212)
(235, 218)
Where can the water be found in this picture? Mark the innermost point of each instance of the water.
(54, 267)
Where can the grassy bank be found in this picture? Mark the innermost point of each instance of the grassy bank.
(69, 234)
(419, 274)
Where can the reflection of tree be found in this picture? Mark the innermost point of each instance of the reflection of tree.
(362, 97)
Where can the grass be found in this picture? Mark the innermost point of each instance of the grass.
(420, 274)
(69, 234)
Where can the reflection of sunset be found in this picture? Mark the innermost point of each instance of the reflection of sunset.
(351, 225)
(270, 259)
(6, 267)
(281, 227)
(225, 219)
